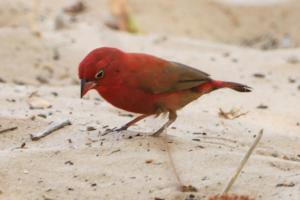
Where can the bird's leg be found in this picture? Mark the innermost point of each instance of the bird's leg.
(135, 120)
(172, 118)
(126, 126)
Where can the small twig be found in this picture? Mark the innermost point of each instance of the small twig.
(53, 127)
(8, 129)
(164, 138)
(243, 162)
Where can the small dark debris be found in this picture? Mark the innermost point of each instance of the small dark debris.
(2, 80)
(199, 133)
(157, 198)
(298, 87)
(93, 184)
(70, 189)
(275, 155)
(234, 60)
(18, 82)
(188, 188)
(49, 190)
(70, 141)
(91, 128)
(259, 75)
(11, 100)
(23, 145)
(286, 158)
(56, 55)
(196, 139)
(69, 162)
(298, 124)
(54, 94)
(42, 116)
(262, 106)
(264, 42)
(42, 80)
(75, 8)
(148, 161)
(291, 80)
(190, 197)
(226, 54)
(200, 146)
(32, 118)
(291, 184)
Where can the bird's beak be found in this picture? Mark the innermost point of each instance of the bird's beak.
(85, 86)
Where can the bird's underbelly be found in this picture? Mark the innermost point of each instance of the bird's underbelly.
(138, 101)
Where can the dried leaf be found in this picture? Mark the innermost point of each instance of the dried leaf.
(232, 114)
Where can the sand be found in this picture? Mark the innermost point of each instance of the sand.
(76, 162)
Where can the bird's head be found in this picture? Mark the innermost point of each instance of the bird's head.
(94, 68)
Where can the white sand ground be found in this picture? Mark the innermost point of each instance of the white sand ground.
(74, 163)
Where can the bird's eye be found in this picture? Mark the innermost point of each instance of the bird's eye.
(99, 74)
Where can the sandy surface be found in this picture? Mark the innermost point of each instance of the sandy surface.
(75, 163)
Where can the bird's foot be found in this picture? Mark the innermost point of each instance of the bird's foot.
(115, 130)
(157, 133)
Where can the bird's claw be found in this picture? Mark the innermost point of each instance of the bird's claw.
(115, 130)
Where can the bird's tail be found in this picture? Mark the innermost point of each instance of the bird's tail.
(234, 86)
(214, 85)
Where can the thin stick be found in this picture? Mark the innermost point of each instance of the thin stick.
(243, 162)
(164, 138)
(53, 127)
(8, 129)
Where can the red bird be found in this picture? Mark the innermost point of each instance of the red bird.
(145, 84)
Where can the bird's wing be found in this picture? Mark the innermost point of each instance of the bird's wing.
(165, 77)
